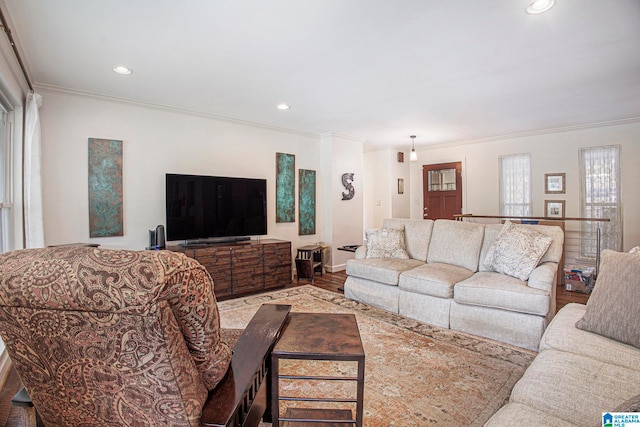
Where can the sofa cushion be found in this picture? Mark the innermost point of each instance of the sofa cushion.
(417, 234)
(562, 334)
(435, 279)
(386, 243)
(517, 250)
(574, 388)
(612, 310)
(491, 232)
(383, 270)
(456, 243)
(495, 290)
(556, 248)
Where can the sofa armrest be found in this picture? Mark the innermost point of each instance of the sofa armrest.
(543, 277)
(361, 252)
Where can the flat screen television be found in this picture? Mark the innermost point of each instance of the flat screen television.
(205, 207)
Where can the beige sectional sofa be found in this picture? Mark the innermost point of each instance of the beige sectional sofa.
(589, 358)
(444, 280)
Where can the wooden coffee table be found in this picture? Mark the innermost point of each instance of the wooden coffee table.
(318, 336)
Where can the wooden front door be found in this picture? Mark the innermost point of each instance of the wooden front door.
(442, 190)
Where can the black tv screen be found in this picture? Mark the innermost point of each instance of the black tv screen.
(201, 207)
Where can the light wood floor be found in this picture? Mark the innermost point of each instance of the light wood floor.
(18, 417)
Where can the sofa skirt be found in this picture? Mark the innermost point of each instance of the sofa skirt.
(425, 308)
(372, 293)
(520, 329)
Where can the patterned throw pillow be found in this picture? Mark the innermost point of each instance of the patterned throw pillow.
(386, 243)
(517, 251)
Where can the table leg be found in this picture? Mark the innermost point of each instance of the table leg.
(275, 392)
(360, 395)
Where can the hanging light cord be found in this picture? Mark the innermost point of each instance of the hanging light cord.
(7, 30)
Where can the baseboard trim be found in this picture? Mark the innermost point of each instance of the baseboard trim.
(336, 268)
(5, 367)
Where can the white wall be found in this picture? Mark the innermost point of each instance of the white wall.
(382, 171)
(346, 216)
(157, 141)
(378, 187)
(400, 203)
(550, 153)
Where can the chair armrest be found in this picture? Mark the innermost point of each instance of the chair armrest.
(244, 380)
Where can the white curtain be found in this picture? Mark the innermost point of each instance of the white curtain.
(515, 185)
(600, 198)
(33, 215)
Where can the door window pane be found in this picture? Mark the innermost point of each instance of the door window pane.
(442, 180)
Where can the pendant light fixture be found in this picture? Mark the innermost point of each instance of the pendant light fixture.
(413, 157)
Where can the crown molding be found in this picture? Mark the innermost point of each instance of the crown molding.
(504, 137)
(343, 136)
(322, 135)
(168, 108)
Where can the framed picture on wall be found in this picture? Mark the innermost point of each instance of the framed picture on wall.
(400, 186)
(554, 183)
(554, 208)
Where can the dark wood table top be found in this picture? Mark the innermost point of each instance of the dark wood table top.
(325, 336)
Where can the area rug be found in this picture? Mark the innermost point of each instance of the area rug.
(415, 375)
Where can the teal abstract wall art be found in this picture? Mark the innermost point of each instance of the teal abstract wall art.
(307, 202)
(285, 187)
(105, 188)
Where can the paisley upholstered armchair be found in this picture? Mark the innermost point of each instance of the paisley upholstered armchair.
(117, 337)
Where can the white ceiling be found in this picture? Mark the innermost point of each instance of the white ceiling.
(446, 71)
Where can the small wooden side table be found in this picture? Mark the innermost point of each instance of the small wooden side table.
(309, 261)
(318, 336)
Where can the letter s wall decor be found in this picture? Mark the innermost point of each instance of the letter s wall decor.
(347, 179)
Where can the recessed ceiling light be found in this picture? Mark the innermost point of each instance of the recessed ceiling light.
(283, 107)
(540, 6)
(121, 69)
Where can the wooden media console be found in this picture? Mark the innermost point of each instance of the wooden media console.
(243, 267)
